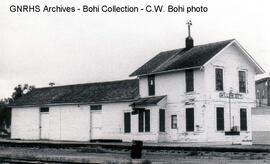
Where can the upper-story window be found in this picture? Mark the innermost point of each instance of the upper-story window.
(242, 81)
(151, 85)
(219, 79)
(189, 80)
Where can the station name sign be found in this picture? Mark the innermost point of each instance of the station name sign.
(230, 95)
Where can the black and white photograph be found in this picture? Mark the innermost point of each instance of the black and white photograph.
(135, 82)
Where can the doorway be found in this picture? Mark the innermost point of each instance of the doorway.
(44, 123)
(96, 125)
(174, 127)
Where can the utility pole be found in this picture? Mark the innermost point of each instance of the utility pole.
(230, 110)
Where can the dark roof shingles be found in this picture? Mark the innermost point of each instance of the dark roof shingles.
(181, 58)
(115, 91)
(145, 101)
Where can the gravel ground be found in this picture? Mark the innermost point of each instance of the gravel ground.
(111, 156)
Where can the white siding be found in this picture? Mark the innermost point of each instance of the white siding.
(206, 98)
(174, 86)
(113, 123)
(261, 125)
(113, 120)
(25, 123)
(70, 122)
(231, 60)
(151, 136)
(65, 123)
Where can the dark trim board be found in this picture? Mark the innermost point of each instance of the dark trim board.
(232, 133)
(107, 140)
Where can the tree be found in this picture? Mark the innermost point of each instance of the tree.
(5, 110)
(5, 114)
(21, 90)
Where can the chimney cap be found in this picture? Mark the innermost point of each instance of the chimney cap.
(189, 39)
(189, 23)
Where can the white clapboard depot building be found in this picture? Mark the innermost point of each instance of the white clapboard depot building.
(201, 93)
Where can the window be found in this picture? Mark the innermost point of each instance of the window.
(144, 120)
(151, 85)
(147, 120)
(96, 107)
(161, 120)
(141, 121)
(220, 118)
(174, 121)
(127, 122)
(189, 80)
(243, 119)
(44, 109)
(242, 81)
(219, 79)
(189, 119)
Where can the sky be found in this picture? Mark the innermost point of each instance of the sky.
(72, 48)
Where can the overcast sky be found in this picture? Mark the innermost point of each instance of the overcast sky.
(70, 48)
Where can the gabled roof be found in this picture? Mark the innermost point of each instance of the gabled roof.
(182, 58)
(114, 91)
(146, 101)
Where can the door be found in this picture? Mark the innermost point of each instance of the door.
(96, 125)
(174, 127)
(127, 120)
(44, 125)
(190, 119)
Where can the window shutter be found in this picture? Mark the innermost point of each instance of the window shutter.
(189, 119)
(141, 123)
(161, 120)
(147, 120)
(127, 122)
(243, 119)
(220, 118)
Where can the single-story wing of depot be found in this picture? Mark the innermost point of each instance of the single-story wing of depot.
(201, 93)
